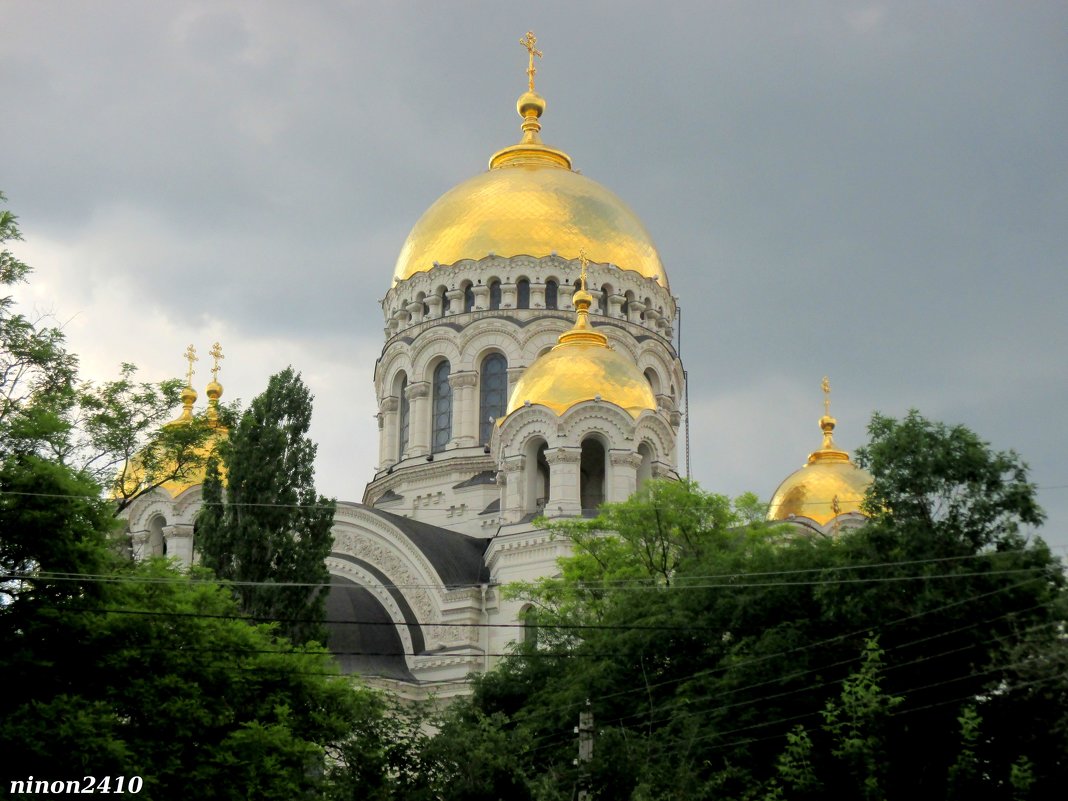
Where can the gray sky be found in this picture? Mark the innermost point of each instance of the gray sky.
(874, 191)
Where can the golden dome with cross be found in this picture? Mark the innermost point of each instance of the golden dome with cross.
(530, 203)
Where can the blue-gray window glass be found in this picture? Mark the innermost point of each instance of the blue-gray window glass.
(522, 294)
(550, 294)
(469, 298)
(404, 419)
(495, 295)
(442, 429)
(493, 394)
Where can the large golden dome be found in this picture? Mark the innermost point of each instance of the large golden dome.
(530, 203)
(582, 367)
(827, 486)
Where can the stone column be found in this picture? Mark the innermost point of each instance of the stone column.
(456, 301)
(481, 292)
(537, 296)
(615, 306)
(564, 498)
(624, 478)
(510, 481)
(564, 295)
(418, 419)
(508, 296)
(179, 540)
(139, 545)
(634, 311)
(433, 304)
(464, 409)
(388, 429)
(651, 316)
(514, 374)
(415, 311)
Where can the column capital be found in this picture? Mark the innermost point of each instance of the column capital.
(625, 459)
(465, 379)
(420, 389)
(563, 456)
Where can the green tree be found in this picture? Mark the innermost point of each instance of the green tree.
(704, 639)
(269, 532)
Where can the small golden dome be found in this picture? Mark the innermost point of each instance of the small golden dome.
(827, 486)
(582, 367)
(529, 203)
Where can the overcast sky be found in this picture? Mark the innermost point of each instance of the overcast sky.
(873, 191)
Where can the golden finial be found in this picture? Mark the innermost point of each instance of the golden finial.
(217, 355)
(528, 42)
(585, 262)
(190, 356)
(827, 422)
(189, 395)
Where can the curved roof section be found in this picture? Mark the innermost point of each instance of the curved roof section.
(530, 203)
(827, 486)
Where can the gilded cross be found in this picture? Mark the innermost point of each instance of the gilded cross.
(190, 356)
(825, 385)
(528, 42)
(216, 354)
(585, 263)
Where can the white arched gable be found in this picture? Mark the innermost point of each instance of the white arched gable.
(368, 538)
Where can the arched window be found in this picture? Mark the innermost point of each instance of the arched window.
(404, 417)
(602, 302)
(445, 302)
(528, 616)
(625, 308)
(495, 295)
(493, 394)
(645, 469)
(653, 379)
(591, 476)
(469, 298)
(551, 290)
(537, 476)
(157, 543)
(442, 409)
(522, 294)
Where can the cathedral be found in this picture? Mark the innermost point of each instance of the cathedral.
(528, 370)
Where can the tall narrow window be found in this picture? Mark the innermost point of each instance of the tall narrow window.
(404, 418)
(602, 302)
(495, 295)
(522, 294)
(591, 476)
(442, 429)
(469, 298)
(551, 289)
(445, 302)
(493, 394)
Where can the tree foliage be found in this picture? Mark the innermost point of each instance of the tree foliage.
(725, 658)
(120, 669)
(269, 532)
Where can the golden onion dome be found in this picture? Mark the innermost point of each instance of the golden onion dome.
(582, 367)
(135, 477)
(530, 203)
(827, 486)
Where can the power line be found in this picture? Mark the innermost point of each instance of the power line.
(735, 580)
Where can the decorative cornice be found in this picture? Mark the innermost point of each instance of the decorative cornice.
(419, 389)
(465, 379)
(625, 459)
(563, 456)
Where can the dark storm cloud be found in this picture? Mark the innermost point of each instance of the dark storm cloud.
(874, 191)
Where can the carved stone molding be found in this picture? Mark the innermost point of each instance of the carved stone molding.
(563, 456)
(420, 389)
(625, 459)
(465, 379)
(389, 404)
